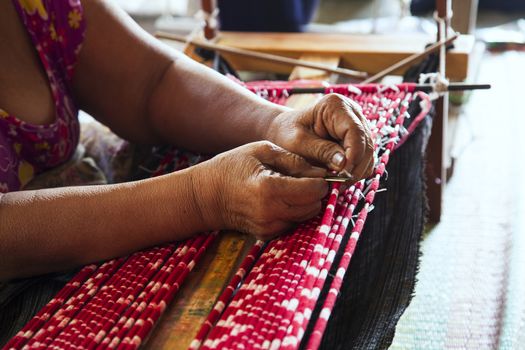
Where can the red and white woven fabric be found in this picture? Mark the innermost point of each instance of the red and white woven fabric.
(273, 305)
(269, 301)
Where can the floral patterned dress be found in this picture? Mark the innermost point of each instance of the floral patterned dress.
(65, 153)
(56, 29)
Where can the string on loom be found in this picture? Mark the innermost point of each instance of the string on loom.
(440, 84)
(438, 79)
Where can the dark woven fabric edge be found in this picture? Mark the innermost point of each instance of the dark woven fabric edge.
(380, 281)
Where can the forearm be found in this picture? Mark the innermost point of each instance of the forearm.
(199, 109)
(56, 229)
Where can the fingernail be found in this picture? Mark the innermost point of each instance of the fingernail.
(338, 159)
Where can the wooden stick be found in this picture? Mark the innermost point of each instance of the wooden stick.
(404, 62)
(418, 87)
(262, 56)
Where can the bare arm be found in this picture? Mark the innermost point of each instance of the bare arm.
(56, 229)
(257, 188)
(147, 92)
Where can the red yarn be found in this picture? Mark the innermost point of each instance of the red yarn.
(274, 304)
(268, 303)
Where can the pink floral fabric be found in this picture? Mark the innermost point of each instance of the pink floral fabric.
(56, 28)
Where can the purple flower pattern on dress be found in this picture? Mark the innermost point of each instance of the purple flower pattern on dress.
(56, 28)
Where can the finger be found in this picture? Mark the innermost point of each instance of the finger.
(369, 142)
(319, 150)
(357, 140)
(299, 213)
(288, 163)
(358, 145)
(342, 120)
(364, 169)
(358, 110)
(359, 163)
(297, 191)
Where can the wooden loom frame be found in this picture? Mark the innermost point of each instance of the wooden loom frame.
(368, 53)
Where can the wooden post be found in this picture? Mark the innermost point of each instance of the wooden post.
(210, 29)
(465, 14)
(435, 171)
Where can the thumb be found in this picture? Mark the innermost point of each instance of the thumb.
(326, 152)
(288, 163)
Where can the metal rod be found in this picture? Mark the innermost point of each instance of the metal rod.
(420, 87)
(341, 179)
(410, 59)
(262, 56)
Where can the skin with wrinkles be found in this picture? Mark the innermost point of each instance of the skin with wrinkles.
(266, 177)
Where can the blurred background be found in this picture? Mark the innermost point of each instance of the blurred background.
(504, 17)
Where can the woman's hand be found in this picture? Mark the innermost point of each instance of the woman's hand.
(258, 188)
(332, 133)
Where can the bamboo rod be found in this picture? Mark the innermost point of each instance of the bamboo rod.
(262, 56)
(410, 59)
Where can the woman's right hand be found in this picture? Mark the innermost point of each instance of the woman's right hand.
(258, 188)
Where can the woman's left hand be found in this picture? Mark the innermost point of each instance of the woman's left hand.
(333, 133)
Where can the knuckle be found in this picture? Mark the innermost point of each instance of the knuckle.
(359, 148)
(265, 144)
(356, 107)
(324, 151)
(370, 146)
(362, 140)
(346, 103)
(334, 98)
(269, 146)
(297, 162)
(261, 148)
